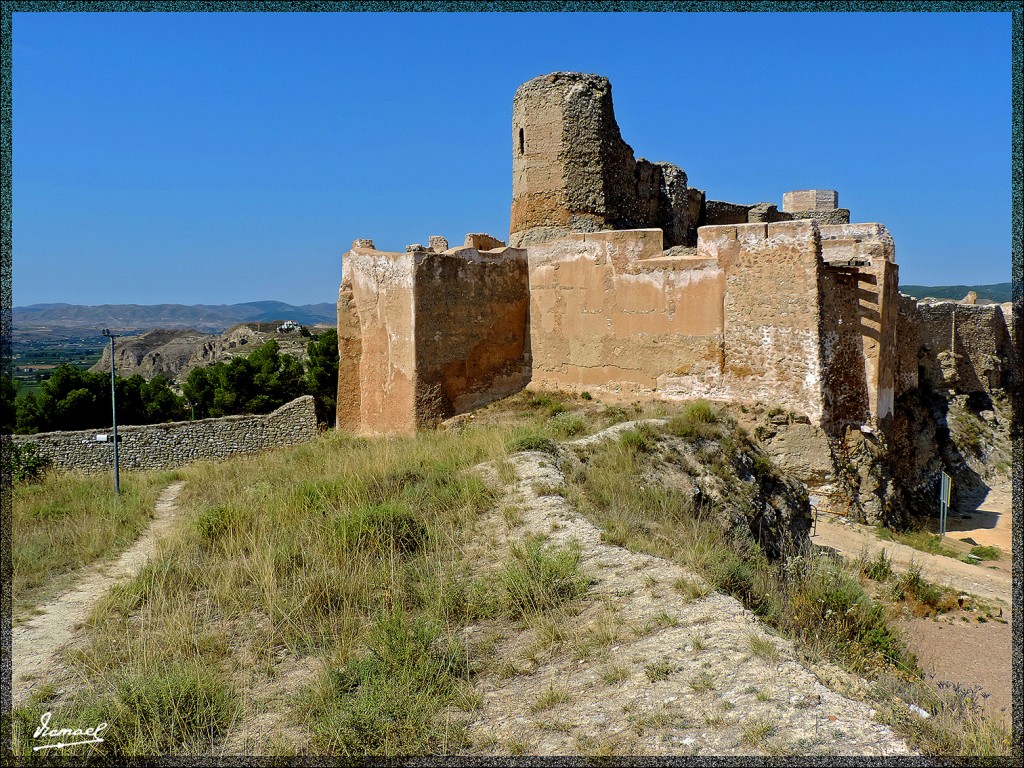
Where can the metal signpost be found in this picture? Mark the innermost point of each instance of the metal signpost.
(947, 485)
(113, 406)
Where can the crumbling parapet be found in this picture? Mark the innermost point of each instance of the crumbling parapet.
(423, 336)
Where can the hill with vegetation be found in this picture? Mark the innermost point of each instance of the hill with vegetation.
(210, 318)
(997, 293)
(551, 575)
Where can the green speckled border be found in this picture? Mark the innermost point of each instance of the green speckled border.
(1017, 176)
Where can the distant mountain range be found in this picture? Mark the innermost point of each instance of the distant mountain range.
(217, 318)
(210, 318)
(996, 293)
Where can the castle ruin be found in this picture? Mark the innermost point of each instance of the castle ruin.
(624, 280)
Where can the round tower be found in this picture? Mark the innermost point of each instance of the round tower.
(567, 156)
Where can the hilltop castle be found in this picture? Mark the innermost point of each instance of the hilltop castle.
(623, 280)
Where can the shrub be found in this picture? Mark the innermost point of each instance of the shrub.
(532, 442)
(23, 464)
(568, 424)
(697, 420)
(878, 569)
(634, 440)
(214, 523)
(384, 702)
(187, 706)
(539, 577)
(383, 527)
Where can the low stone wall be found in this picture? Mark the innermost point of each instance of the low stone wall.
(162, 446)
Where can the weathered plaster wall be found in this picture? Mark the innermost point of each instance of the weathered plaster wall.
(737, 319)
(772, 311)
(376, 344)
(423, 335)
(609, 313)
(162, 446)
(472, 329)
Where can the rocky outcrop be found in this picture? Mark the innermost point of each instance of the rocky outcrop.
(725, 475)
(174, 354)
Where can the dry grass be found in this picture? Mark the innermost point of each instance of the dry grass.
(69, 521)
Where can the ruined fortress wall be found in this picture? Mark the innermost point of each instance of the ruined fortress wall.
(377, 351)
(965, 347)
(572, 172)
(423, 335)
(908, 340)
(866, 251)
(162, 446)
(772, 311)
(609, 313)
(844, 388)
(472, 329)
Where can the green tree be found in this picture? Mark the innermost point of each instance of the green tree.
(259, 383)
(322, 374)
(72, 399)
(8, 397)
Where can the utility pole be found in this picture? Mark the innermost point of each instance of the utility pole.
(113, 409)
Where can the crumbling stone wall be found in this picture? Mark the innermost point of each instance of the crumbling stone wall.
(163, 446)
(424, 335)
(844, 387)
(866, 252)
(968, 346)
(772, 311)
(572, 171)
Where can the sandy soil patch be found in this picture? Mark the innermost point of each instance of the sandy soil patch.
(947, 648)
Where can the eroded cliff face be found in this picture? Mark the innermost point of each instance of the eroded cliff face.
(955, 382)
(173, 354)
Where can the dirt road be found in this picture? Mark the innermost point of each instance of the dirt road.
(991, 524)
(947, 646)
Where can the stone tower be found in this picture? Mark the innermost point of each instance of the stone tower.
(572, 172)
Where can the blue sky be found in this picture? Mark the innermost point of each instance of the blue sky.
(219, 158)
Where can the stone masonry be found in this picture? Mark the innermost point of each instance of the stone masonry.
(627, 281)
(572, 172)
(162, 446)
(425, 335)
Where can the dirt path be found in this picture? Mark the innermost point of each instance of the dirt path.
(651, 662)
(35, 642)
(850, 539)
(947, 646)
(991, 524)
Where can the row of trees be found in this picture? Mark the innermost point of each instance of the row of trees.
(72, 399)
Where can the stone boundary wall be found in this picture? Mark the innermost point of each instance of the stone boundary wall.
(162, 446)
